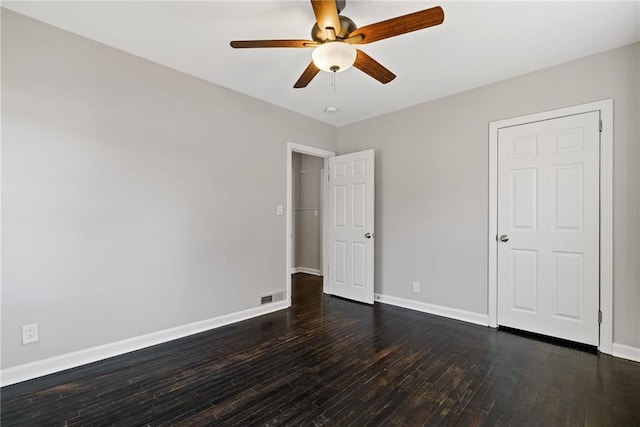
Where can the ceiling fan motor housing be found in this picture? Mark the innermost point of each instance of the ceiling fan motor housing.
(346, 27)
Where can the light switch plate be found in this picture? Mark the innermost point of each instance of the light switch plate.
(279, 209)
(416, 287)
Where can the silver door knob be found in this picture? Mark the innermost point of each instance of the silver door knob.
(368, 235)
(504, 238)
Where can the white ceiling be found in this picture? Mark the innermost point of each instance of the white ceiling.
(479, 43)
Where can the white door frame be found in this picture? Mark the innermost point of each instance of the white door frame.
(605, 107)
(292, 147)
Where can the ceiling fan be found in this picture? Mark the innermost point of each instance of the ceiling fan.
(334, 37)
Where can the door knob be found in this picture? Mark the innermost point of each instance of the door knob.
(368, 235)
(504, 238)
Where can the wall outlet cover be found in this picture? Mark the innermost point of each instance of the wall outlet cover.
(30, 333)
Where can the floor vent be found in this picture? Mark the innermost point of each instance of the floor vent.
(272, 297)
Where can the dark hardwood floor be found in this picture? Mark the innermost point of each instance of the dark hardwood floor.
(334, 362)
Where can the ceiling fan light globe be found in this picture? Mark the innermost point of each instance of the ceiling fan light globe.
(334, 56)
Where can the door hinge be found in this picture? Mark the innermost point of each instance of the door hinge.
(600, 125)
(599, 316)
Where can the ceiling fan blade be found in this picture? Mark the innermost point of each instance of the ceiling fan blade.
(308, 75)
(326, 12)
(370, 66)
(243, 44)
(400, 25)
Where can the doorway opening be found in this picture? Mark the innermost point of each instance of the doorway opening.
(306, 206)
(307, 174)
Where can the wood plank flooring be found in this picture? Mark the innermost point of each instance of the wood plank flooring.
(327, 361)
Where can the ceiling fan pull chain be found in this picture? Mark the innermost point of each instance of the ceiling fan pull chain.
(333, 82)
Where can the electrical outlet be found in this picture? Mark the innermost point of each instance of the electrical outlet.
(30, 333)
(416, 287)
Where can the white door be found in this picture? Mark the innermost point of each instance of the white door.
(548, 227)
(351, 226)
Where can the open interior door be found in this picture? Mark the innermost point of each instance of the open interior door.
(351, 226)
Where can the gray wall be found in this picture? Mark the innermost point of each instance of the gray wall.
(134, 198)
(307, 197)
(432, 182)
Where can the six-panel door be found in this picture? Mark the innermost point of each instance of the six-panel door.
(351, 193)
(548, 215)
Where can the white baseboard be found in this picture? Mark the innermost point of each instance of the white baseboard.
(438, 310)
(618, 350)
(40, 368)
(313, 271)
(626, 352)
